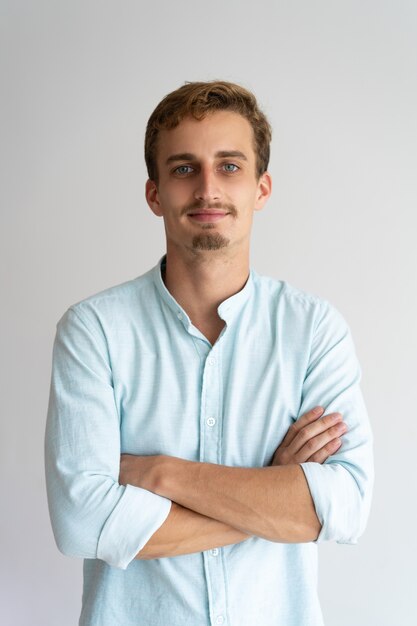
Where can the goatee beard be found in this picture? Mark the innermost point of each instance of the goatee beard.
(212, 241)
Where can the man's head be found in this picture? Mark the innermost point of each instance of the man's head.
(199, 99)
(207, 150)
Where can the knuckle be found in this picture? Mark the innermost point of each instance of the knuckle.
(285, 457)
(282, 457)
(316, 458)
(309, 445)
(333, 445)
(294, 428)
(307, 432)
(302, 437)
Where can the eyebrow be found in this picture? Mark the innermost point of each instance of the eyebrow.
(222, 154)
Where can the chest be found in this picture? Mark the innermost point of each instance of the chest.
(229, 403)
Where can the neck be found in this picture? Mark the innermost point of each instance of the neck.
(201, 282)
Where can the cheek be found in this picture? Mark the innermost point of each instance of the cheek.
(242, 187)
(244, 197)
(175, 195)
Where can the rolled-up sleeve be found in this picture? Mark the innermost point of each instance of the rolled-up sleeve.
(341, 488)
(92, 515)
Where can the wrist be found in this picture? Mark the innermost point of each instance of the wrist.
(170, 474)
(146, 472)
(157, 476)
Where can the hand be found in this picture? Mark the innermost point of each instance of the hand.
(311, 438)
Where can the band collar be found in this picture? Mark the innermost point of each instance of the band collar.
(227, 310)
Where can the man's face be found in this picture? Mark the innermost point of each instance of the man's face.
(208, 188)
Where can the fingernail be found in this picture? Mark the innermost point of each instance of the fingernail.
(317, 410)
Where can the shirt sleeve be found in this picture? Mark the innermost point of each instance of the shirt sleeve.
(92, 515)
(341, 488)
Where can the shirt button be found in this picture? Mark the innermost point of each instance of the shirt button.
(179, 315)
(211, 361)
(214, 552)
(219, 619)
(210, 421)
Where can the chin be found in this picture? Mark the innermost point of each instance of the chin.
(212, 241)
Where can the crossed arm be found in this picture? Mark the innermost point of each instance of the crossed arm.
(216, 505)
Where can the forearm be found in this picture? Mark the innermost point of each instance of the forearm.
(185, 531)
(270, 502)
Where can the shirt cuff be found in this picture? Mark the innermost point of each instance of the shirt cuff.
(136, 517)
(336, 500)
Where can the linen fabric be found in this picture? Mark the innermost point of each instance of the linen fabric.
(132, 374)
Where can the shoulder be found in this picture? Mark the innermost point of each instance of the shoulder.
(279, 291)
(291, 302)
(113, 305)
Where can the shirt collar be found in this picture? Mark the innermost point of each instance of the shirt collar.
(227, 310)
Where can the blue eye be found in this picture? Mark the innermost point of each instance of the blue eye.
(183, 169)
(230, 167)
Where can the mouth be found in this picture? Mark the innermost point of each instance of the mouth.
(208, 215)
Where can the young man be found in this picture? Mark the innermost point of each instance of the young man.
(193, 448)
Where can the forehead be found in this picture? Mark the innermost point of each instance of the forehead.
(219, 131)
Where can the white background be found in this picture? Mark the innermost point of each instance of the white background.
(337, 79)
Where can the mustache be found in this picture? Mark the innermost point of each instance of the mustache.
(199, 204)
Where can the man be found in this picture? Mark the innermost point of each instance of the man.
(193, 448)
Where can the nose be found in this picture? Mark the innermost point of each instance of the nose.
(207, 189)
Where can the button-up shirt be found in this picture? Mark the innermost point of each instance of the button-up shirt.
(132, 374)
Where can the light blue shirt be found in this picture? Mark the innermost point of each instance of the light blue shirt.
(132, 374)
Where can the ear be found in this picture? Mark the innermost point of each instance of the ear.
(264, 190)
(152, 197)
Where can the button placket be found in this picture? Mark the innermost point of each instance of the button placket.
(211, 409)
(210, 452)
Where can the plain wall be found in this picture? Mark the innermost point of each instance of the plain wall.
(338, 82)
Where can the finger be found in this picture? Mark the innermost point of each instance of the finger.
(330, 448)
(299, 424)
(317, 443)
(314, 429)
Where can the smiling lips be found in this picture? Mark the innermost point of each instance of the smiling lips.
(208, 215)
